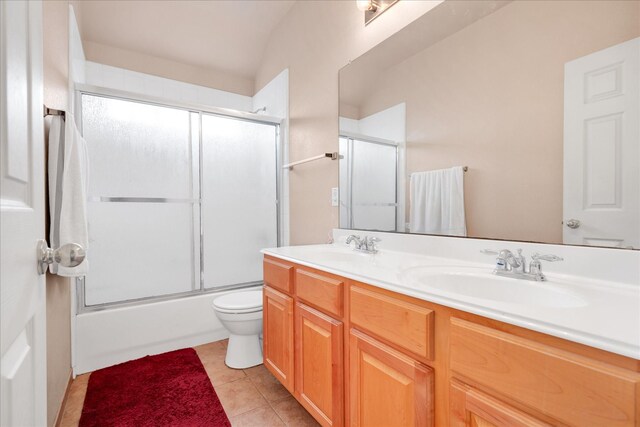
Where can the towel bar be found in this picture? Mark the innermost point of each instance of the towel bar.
(52, 112)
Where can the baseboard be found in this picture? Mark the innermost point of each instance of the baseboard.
(63, 404)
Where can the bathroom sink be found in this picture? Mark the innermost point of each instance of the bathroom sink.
(481, 284)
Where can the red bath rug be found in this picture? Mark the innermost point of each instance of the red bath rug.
(169, 389)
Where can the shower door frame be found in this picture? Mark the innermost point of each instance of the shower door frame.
(199, 109)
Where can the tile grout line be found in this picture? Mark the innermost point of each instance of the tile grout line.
(260, 394)
(276, 412)
(269, 403)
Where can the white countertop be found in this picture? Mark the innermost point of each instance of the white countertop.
(607, 315)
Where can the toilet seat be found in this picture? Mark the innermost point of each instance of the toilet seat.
(239, 302)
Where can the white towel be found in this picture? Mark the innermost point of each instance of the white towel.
(437, 202)
(68, 174)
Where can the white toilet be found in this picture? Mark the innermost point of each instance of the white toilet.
(241, 313)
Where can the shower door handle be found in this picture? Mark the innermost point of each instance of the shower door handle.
(69, 255)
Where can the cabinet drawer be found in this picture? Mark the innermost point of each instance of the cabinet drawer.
(278, 275)
(567, 387)
(470, 407)
(322, 292)
(406, 325)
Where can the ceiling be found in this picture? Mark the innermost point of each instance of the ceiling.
(224, 35)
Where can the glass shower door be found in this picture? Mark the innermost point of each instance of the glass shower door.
(239, 199)
(179, 201)
(142, 200)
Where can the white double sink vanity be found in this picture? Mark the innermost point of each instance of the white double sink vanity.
(587, 298)
(423, 332)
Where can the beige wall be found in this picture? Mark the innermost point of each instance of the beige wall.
(55, 22)
(314, 41)
(491, 97)
(166, 68)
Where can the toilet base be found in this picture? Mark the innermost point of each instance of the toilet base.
(243, 351)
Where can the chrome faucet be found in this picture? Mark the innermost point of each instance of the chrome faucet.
(366, 244)
(357, 239)
(510, 265)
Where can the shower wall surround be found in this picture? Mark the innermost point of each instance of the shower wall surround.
(145, 84)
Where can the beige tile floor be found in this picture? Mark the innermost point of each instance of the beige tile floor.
(250, 397)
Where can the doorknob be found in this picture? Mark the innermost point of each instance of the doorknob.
(69, 255)
(573, 223)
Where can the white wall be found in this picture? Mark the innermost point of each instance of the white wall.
(387, 124)
(349, 125)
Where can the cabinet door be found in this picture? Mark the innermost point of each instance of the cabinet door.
(472, 408)
(319, 365)
(278, 335)
(569, 388)
(387, 388)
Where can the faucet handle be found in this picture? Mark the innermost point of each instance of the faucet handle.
(370, 243)
(535, 267)
(546, 257)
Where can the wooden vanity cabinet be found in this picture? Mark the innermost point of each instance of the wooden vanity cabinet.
(354, 354)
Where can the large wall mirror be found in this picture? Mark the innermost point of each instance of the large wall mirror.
(496, 119)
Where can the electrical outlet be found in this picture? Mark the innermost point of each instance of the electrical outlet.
(334, 196)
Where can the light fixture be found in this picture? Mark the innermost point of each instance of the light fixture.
(373, 8)
(365, 5)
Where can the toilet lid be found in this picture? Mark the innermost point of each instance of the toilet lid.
(239, 301)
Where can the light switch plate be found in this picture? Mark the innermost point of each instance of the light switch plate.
(334, 196)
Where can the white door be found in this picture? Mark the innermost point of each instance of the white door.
(601, 148)
(22, 292)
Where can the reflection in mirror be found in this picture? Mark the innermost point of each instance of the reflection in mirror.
(371, 183)
(539, 99)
